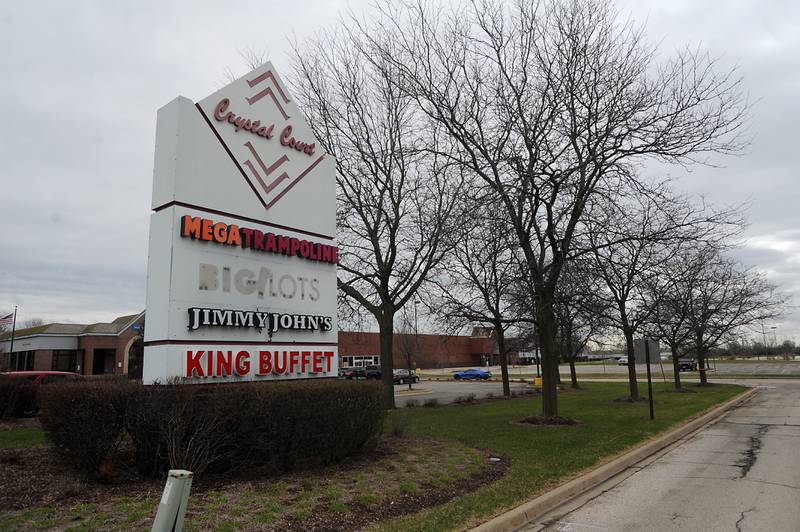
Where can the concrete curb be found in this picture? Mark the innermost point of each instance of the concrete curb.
(406, 393)
(534, 508)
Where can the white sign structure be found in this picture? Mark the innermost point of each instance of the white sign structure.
(241, 281)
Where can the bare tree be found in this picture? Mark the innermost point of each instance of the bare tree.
(668, 294)
(580, 313)
(724, 297)
(394, 199)
(33, 322)
(629, 238)
(550, 104)
(474, 284)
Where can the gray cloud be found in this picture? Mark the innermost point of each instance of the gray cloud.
(83, 81)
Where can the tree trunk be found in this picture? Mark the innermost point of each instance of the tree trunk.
(501, 346)
(701, 362)
(633, 384)
(676, 368)
(546, 328)
(386, 327)
(572, 374)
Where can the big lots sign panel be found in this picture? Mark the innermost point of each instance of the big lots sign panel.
(242, 259)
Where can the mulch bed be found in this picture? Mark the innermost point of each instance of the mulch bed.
(628, 399)
(547, 421)
(323, 519)
(36, 477)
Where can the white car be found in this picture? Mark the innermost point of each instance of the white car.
(622, 361)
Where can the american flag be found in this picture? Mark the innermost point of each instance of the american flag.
(6, 320)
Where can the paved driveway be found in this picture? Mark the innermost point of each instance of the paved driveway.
(448, 391)
(740, 474)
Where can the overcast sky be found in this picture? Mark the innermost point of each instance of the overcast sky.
(83, 81)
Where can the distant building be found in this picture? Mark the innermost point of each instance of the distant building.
(116, 348)
(96, 349)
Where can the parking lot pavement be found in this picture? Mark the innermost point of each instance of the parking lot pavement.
(741, 473)
(610, 368)
(448, 391)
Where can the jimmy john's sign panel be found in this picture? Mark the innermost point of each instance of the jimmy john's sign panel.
(242, 256)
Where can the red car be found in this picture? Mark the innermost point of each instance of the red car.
(28, 382)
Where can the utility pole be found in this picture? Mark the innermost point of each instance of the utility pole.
(416, 344)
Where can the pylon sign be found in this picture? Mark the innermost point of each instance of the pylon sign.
(241, 281)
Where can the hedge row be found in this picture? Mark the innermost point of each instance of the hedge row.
(8, 388)
(274, 426)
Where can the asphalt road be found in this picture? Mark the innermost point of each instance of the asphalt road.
(611, 368)
(740, 474)
(448, 391)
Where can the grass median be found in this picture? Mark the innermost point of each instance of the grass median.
(541, 457)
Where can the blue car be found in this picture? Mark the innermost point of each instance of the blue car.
(470, 374)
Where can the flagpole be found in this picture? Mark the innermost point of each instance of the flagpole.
(13, 328)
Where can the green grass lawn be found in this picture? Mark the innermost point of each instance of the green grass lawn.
(21, 438)
(540, 456)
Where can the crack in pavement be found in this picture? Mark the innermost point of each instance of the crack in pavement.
(751, 454)
(741, 518)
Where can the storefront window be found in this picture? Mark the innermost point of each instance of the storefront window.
(65, 360)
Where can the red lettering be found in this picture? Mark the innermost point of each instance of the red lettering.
(224, 363)
(193, 364)
(280, 370)
(286, 135)
(220, 232)
(210, 364)
(207, 230)
(294, 359)
(317, 367)
(284, 244)
(305, 360)
(264, 362)
(295, 245)
(270, 245)
(258, 238)
(314, 254)
(219, 110)
(304, 249)
(248, 233)
(242, 363)
(191, 227)
(326, 253)
(329, 356)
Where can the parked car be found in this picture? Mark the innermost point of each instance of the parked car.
(353, 373)
(622, 361)
(471, 374)
(373, 372)
(402, 376)
(26, 393)
(687, 364)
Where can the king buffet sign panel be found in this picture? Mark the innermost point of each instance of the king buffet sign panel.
(241, 281)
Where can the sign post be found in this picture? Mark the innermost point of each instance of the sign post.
(642, 350)
(241, 281)
(649, 378)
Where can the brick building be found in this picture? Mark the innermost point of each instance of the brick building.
(426, 350)
(96, 349)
